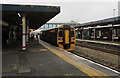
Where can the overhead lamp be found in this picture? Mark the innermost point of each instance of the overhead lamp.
(19, 15)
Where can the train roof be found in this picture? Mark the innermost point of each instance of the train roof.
(54, 27)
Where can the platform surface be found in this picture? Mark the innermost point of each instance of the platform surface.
(36, 61)
(100, 42)
(47, 60)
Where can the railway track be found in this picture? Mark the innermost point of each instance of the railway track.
(104, 57)
(104, 64)
(103, 54)
(116, 52)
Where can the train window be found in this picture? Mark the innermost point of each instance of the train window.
(55, 29)
(72, 33)
(118, 32)
(72, 29)
(60, 33)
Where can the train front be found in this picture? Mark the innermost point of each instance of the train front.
(66, 37)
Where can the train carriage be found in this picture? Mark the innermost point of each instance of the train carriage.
(63, 36)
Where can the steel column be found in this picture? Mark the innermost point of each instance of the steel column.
(48, 26)
(56, 25)
(27, 34)
(112, 33)
(94, 33)
(23, 32)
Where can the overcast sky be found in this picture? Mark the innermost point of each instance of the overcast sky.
(74, 10)
(85, 11)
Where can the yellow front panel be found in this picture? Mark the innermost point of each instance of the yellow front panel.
(66, 36)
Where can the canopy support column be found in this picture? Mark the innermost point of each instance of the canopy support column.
(112, 33)
(27, 39)
(27, 32)
(23, 32)
(94, 33)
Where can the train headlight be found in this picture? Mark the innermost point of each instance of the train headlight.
(72, 38)
(60, 38)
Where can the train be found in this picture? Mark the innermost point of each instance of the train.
(63, 37)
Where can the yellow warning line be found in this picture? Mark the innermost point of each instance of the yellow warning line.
(68, 61)
(75, 65)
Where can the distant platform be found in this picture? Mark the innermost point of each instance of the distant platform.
(100, 42)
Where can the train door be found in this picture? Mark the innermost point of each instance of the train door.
(66, 40)
(67, 35)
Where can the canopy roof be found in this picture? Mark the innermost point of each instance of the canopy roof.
(115, 20)
(36, 15)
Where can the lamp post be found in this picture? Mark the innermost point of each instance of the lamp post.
(114, 12)
(113, 26)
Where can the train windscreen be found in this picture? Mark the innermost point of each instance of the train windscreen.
(72, 33)
(60, 33)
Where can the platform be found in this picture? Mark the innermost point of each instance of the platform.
(99, 42)
(36, 61)
(47, 60)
